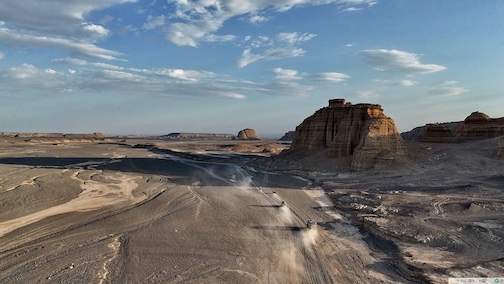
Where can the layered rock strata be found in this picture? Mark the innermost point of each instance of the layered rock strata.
(480, 126)
(362, 131)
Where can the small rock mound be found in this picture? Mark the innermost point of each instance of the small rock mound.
(247, 134)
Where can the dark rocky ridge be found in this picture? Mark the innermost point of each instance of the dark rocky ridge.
(192, 136)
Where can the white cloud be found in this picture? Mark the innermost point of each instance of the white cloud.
(334, 77)
(55, 24)
(2, 55)
(406, 83)
(366, 94)
(219, 38)
(124, 81)
(258, 19)
(188, 75)
(286, 74)
(352, 9)
(197, 19)
(447, 91)
(402, 83)
(396, 60)
(248, 57)
(154, 22)
(12, 38)
(294, 38)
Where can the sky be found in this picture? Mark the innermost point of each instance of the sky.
(154, 67)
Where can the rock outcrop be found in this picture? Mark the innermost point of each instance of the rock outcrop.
(248, 134)
(288, 136)
(437, 133)
(361, 131)
(480, 126)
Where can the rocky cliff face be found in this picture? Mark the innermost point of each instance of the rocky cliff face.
(480, 126)
(361, 131)
(248, 134)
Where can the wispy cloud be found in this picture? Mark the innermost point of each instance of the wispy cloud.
(193, 21)
(329, 77)
(154, 22)
(56, 24)
(13, 38)
(447, 91)
(286, 74)
(124, 81)
(400, 61)
(290, 75)
(188, 75)
(401, 83)
(248, 57)
(366, 94)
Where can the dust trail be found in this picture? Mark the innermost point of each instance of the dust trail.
(286, 215)
(309, 237)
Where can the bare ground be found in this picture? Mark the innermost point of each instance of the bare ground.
(138, 212)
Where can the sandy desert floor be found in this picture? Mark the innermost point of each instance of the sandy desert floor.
(199, 212)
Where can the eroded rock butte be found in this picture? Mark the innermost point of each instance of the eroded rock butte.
(362, 131)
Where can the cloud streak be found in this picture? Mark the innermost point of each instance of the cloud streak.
(116, 80)
(398, 61)
(55, 24)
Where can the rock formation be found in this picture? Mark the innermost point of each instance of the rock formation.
(437, 133)
(248, 134)
(416, 133)
(361, 131)
(288, 136)
(480, 126)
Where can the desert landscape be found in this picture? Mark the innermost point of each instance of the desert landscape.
(346, 202)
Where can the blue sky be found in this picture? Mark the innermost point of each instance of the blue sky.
(155, 67)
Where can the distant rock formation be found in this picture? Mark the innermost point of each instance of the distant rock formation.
(480, 126)
(416, 133)
(248, 134)
(95, 135)
(437, 133)
(288, 136)
(195, 136)
(361, 131)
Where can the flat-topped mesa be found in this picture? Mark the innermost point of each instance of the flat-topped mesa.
(362, 131)
(480, 126)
